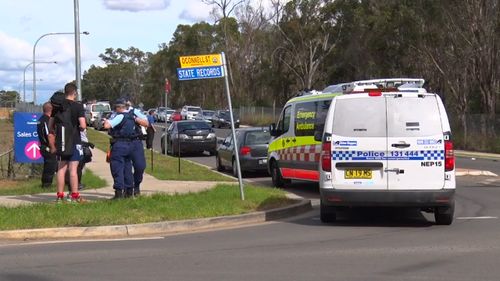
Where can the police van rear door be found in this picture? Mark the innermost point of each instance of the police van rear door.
(415, 142)
(359, 143)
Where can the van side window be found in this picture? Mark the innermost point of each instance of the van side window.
(310, 116)
(284, 122)
(359, 117)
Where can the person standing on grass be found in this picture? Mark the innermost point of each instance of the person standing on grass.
(68, 122)
(150, 130)
(49, 159)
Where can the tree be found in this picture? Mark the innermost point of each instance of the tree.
(307, 38)
(9, 98)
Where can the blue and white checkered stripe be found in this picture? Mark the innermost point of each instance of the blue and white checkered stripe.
(432, 154)
(343, 155)
(428, 155)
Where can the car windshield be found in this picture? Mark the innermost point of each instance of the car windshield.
(170, 111)
(208, 113)
(257, 137)
(184, 126)
(100, 107)
(194, 109)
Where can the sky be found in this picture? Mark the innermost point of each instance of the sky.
(143, 24)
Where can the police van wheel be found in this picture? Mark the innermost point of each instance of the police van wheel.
(327, 214)
(276, 177)
(444, 215)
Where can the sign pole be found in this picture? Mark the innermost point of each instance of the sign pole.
(233, 131)
(167, 90)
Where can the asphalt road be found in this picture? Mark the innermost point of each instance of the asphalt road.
(365, 244)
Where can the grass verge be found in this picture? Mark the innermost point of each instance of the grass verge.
(165, 167)
(223, 200)
(32, 186)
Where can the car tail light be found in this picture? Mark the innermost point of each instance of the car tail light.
(326, 156)
(245, 150)
(449, 156)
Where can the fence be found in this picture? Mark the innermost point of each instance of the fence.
(9, 169)
(478, 132)
(257, 115)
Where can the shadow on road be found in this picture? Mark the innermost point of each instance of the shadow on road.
(368, 217)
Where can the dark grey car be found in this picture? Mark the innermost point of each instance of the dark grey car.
(222, 119)
(253, 144)
(189, 136)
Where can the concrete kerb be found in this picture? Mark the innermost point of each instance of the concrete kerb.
(166, 227)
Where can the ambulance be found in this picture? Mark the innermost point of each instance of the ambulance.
(293, 154)
(386, 143)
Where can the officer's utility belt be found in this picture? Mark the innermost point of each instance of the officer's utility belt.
(113, 140)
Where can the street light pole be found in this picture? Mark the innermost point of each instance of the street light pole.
(34, 55)
(78, 67)
(24, 76)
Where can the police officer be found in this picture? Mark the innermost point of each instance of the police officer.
(138, 162)
(49, 159)
(126, 148)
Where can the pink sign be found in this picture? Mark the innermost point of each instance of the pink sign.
(32, 150)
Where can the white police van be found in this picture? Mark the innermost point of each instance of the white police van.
(385, 145)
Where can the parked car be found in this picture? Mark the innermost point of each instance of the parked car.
(176, 116)
(189, 112)
(98, 124)
(168, 114)
(188, 136)
(94, 109)
(162, 114)
(208, 115)
(222, 119)
(253, 144)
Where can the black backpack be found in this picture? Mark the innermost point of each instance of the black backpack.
(64, 128)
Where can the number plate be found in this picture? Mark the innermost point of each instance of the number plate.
(197, 137)
(358, 174)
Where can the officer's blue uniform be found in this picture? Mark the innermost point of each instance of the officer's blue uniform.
(127, 150)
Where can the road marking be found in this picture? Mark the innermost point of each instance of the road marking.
(478, 218)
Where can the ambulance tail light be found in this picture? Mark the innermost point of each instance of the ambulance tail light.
(449, 156)
(326, 155)
(245, 150)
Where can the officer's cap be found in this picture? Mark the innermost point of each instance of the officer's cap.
(120, 102)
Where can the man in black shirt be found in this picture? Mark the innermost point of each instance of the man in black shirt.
(49, 159)
(70, 163)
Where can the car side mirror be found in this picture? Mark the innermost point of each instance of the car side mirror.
(272, 130)
(318, 135)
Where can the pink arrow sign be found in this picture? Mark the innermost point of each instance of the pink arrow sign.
(32, 150)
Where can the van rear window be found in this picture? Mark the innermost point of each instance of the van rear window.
(413, 117)
(360, 117)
